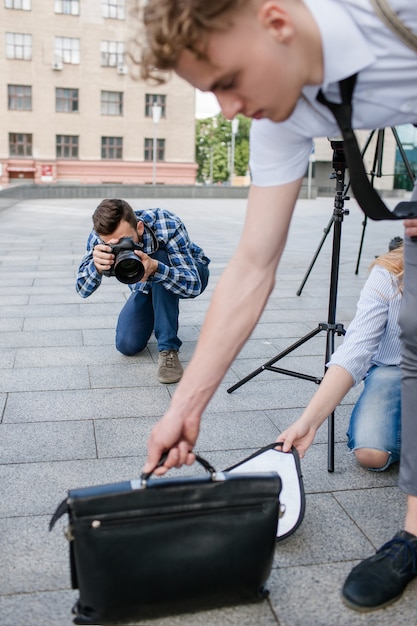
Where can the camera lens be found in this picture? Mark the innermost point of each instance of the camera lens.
(128, 268)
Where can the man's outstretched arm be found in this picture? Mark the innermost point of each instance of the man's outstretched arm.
(237, 303)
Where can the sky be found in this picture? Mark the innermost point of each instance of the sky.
(206, 105)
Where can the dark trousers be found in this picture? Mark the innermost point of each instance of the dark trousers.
(156, 311)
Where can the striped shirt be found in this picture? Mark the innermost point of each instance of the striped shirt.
(373, 336)
(180, 276)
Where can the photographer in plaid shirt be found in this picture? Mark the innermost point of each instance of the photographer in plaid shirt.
(173, 267)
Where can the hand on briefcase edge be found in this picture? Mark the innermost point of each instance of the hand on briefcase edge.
(159, 546)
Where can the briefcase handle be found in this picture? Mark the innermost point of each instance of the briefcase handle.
(215, 476)
(207, 466)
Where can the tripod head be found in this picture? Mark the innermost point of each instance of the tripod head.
(339, 160)
(339, 166)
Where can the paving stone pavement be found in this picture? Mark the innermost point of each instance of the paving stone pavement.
(74, 412)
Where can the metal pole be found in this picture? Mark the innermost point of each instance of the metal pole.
(232, 159)
(211, 164)
(235, 126)
(310, 173)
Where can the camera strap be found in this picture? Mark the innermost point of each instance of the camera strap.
(365, 194)
(155, 241)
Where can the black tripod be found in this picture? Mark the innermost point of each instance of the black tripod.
(331, 327)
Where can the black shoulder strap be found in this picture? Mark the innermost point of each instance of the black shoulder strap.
(367, 197)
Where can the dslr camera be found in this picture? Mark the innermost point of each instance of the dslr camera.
(127, 267)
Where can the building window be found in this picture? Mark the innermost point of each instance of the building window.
(20, 144)
(112, 53)
(23, 5)
(160, 149)
(67, 49)
(67, 147)
(66, 100)
(112, 103)
(111, 147)
(114, 9)
(19, 97)
(153, 98)
(68, 7)
(18, 46)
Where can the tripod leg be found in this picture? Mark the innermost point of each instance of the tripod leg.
(323, 239)
(361, 244)
(279, 356)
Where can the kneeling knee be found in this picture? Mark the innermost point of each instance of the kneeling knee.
(128, 349)
(369, 457)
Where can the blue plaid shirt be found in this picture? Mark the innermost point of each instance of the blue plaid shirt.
(181, 276)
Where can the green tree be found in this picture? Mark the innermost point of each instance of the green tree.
(213, 148)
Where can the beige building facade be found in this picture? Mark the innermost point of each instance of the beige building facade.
(71, 109)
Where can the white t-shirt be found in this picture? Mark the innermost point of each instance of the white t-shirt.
(355, 40)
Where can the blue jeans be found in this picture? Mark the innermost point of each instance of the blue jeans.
(376, 418)
(156, 311)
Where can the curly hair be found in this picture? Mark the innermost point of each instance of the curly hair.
(172, 26)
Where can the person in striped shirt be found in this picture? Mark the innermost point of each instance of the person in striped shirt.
(174, 267)
(371, 352)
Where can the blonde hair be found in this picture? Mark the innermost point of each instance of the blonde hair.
(393, 261)
(171, 26)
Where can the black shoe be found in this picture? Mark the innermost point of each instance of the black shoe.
(381, 579)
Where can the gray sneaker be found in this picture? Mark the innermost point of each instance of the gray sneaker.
(169, 367)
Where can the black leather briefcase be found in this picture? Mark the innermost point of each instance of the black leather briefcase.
(160, 546)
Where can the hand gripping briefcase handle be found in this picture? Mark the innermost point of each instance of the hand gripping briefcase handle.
(144, 477)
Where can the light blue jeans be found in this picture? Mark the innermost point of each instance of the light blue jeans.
(376, 418)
